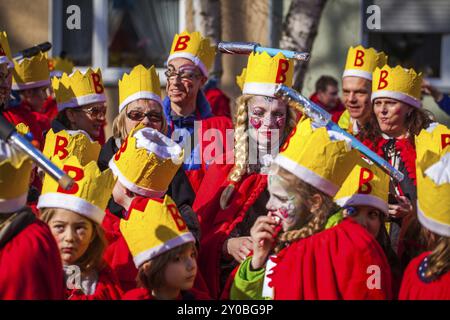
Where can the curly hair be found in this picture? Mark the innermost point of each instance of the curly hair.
(317, 218)
(241, 156)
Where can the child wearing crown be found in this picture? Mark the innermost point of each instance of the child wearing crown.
(145, 164)
(234, 194)
(140, 103)
(164, 252)
(427, 277)
(398, 117)
(309, 262)
(75, 217)
(30, 265)
(81, 99)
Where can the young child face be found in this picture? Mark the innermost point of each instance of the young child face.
(73, 234)
(180, 273)
(368, 217)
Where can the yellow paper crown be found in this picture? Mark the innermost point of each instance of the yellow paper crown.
(264, 73)
(147, 162)
(31, 73)
(435, 138)
(58, 66)
(397, 83)
(141, 83)
(433, 192)
(15, 172)
(79, 89)
(194, 47)
(89, 195)
(240, 79)
(155, 229)
(65, 144)
(5, 51)
(361, 62)
(312, 156)
(366, 185)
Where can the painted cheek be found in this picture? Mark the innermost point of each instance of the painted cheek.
(280, 122)
(255, 122)
(284, 212)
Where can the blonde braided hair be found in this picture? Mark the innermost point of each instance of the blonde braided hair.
(241, 144)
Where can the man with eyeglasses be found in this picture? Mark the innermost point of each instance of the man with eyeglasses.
(186, 108)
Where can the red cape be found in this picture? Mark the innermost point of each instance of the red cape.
(107, 288)
(30, 266)
(335, 113)
(219, 102)
(332, 265)
(216, 224)
(413, 288)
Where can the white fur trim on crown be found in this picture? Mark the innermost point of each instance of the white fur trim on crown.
(357, 73)
(433, 225)
(149, 254)
(196, 60)
(397, 96)
(30, 85)
(145, 192)
(82, 101)
(5, 59)
(140, 95)
(56, 73)
(70, 202)
(307, 175)
(148, 138)
(259, 88)
(13, 205)
(364, 200)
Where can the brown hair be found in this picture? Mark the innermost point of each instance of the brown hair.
(415, 121)
(316, 219)
(241, 144)
(92, 259)
(324, 81)
(119, 127)
(151, 273)
(439, 259)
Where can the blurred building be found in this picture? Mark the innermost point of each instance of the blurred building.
(118, 34)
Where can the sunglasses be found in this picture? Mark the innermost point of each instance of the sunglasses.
(152, 116)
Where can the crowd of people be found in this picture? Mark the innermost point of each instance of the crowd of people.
(285, 209)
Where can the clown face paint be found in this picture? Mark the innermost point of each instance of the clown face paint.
(282, 204)
(267, 119)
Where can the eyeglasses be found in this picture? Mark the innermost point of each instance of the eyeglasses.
(152, 116)
(185, 75)
(94, 112)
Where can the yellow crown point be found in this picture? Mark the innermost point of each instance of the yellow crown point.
(89, 194)
(433, 185)
(435, 138)
(366, 185)
(65, 144)
(22, 128)
(141, 83)
(5, 51)
(58, 66)
(240, 79)
(264, 73)
(147, 162)
(79, 89)
(154, 229)
(397, 83)
(194, 47)
(361, 62)
(15, 173)
(31, 73)
(314, 157)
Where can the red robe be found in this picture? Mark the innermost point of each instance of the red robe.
(107, 288)
(334, 264)
(219, 102)
(30, 266)
(118, 256)
(413, 288)
(335, 113)
(217, 224)
(50, 108)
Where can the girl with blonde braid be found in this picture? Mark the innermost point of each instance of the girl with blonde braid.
(234, 194)
(295, 255)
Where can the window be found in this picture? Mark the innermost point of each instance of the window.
(116, 35)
